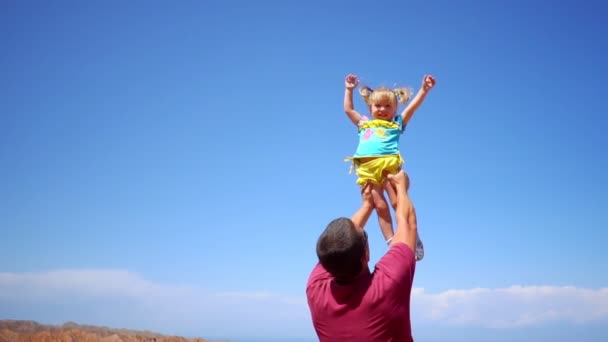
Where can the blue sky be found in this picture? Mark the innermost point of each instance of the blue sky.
(169, 165)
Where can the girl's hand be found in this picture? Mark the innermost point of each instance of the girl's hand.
(351, 82)
(428, 82)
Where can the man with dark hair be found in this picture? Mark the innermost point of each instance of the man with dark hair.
(348, 302)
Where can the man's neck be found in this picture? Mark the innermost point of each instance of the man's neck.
(345, 282)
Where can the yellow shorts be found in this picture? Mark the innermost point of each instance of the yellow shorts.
(375, 169)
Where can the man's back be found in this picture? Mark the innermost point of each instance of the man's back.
(374, 307)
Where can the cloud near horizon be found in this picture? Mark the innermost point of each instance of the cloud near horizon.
(111, 297)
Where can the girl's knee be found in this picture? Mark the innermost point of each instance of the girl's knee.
(382, 207)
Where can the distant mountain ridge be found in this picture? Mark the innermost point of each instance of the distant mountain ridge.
(31, 331)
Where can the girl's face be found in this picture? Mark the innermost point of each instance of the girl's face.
(383, 109)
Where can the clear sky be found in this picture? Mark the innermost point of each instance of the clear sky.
(169, 165)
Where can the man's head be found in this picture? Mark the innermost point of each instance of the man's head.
(343, 249)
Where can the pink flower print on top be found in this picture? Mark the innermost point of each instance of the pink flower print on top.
(368, 133)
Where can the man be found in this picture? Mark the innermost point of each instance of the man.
(348, 302)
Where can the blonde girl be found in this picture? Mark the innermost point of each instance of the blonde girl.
(378, 150)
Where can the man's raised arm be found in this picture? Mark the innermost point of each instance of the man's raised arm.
(404, 212)
(367, 206)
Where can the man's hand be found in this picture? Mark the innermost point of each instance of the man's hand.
(399, 180)
(428, 82)
(351, 82)
(366, 195)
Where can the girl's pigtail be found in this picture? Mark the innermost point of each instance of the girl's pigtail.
(366, 93)
(403, 94)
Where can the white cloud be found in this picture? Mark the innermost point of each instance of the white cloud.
(125, 299)
(516, 306)
(128, 299)
(80, 282)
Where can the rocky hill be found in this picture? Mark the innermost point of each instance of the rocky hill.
(29, 331)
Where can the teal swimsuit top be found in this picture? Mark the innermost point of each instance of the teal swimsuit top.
(379, 137)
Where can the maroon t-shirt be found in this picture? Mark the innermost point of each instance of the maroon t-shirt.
(375, 307)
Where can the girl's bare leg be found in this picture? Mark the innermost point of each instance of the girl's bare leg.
(383, 211)
(392, 194)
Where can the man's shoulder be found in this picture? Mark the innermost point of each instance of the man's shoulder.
(318, 274)
(398, 264)
(399, 252)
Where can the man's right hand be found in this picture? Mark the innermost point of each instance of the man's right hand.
(399, 180)
(366, 195)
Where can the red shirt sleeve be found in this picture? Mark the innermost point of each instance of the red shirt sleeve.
(319, 273)
(398, 264)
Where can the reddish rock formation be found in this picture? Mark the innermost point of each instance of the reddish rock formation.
(29, 331)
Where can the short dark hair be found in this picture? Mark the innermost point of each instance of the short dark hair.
(341, 248)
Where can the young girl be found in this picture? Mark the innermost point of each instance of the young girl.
(378, 150)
